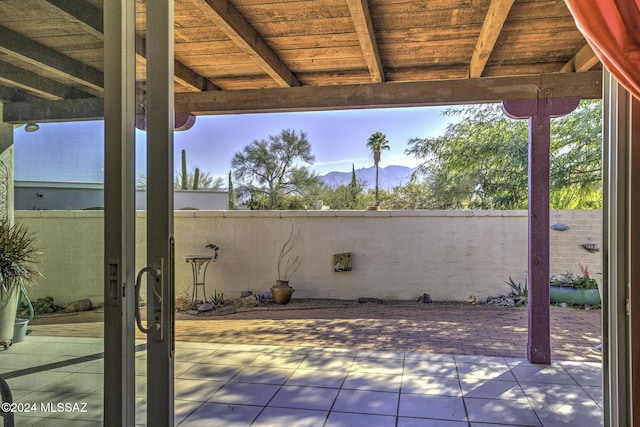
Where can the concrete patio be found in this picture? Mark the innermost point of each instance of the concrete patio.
(343, 366)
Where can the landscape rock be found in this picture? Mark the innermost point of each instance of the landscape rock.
(501, 300)
(207, 306)
(249, 301)
(425, 299)
(364, 300)
(78, 305)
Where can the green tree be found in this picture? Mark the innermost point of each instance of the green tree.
(274, 168)
(377, 142)
(481, 161)
(196, 180)
(354, 188)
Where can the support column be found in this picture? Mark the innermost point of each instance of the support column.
(539, 113)
(6, 170)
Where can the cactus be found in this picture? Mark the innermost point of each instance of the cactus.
(184, 169)
(196, 179)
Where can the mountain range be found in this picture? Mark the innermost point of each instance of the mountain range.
(388, 177)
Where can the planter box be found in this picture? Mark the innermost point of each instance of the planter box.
(574, 295)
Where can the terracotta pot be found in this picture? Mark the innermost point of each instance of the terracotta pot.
(281, 292)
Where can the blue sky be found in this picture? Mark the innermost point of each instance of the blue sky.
(74, 151)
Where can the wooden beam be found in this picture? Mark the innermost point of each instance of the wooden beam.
(25, 49)
(364, 27)
(238, 29)
(339, 97)
(35, 84)
(54, 111)
(381, 95)
(493, 23)
(583, 61)
(92, 17)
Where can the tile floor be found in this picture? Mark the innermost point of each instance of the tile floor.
(249, 385)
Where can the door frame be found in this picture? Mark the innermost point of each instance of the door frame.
(120, 211)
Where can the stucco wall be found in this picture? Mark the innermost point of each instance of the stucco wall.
(396, 254)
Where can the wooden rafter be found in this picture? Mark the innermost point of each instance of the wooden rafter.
(364, 27)
(314, 98)
(493, 23)
(32, 52)
(244, 36)
(35, 84)
(92, 17)
(584, 60)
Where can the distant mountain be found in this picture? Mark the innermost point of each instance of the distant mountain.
(389, 177)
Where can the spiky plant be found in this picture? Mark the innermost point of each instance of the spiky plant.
(520, 292)
(18, 257)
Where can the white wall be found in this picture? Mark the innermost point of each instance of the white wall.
(396, 254)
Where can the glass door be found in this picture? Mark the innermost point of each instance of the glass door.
(139, 339)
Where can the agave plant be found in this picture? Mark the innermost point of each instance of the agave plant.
(18, 257)
(519, 292)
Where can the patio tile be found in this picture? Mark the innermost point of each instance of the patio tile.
(80, 382)
(334, 352)
(378, 366)
(182, 409)
(199, 390)
(271, 360)
(585, 374)
(326, 362)
(542, 374)
(36, 381)
(366, 402)
(500, 372)
(375, 382)
(245, 394)
(195, 355)
(211, 372)
(492, 389)
(261, 375)
(304, 398)
(432, 407)
(279, 417)
(222, 414)
(370, 354)
(595, 393)
(430, 368)
(559, 414)
(344, 419)
(431, 386)
(316, 378)
(550, 393)
(231, 358)
(181, 367)
(424, 422)
(483, 360)
(431, 357)
(514, 412)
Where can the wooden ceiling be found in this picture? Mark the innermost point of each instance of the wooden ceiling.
(235, 56)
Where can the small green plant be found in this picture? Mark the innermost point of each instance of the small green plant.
(217, 298)
(582, 281)
(519, 292)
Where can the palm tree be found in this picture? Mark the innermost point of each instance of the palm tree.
(376, 143)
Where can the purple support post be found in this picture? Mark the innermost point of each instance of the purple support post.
(539, 113)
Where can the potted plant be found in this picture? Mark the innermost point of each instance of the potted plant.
(287, 266)
(18, 259)
(574, 289)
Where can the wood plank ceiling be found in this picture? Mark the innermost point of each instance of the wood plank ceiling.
(282, 55)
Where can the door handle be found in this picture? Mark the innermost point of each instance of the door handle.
(156, 274)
